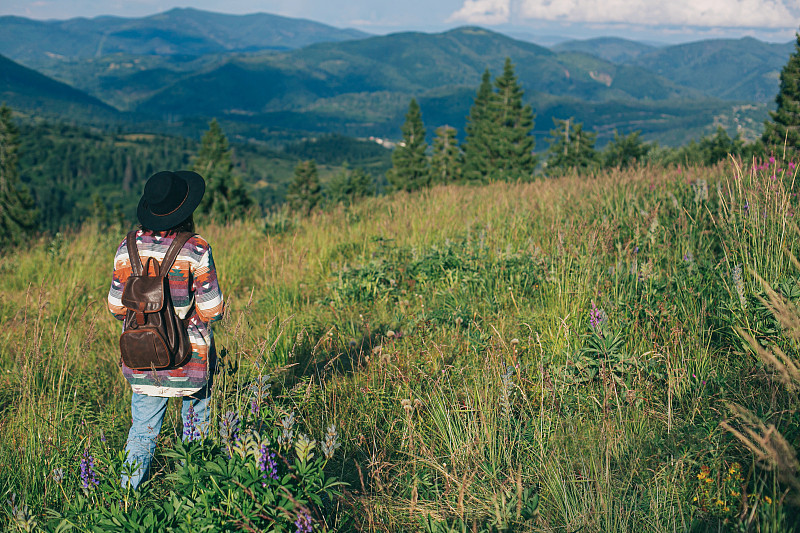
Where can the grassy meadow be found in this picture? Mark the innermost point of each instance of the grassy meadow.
(596, 354)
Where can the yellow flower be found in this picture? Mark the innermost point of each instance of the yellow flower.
(720, 502)
(709, 480)
(767, 499)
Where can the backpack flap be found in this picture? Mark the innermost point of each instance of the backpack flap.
(144, 294)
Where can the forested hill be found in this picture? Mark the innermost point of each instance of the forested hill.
(26, 89)
(733, 69)
(78, 174)
(612, 49)
(180, 31)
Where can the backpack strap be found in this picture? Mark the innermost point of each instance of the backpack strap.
(172, 253)
(133, 254)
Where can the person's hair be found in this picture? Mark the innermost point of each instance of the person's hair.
(186, 225)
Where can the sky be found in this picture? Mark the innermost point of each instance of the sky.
(665, 21)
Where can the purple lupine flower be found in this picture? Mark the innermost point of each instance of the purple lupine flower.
(304, 524)
(229, 428)
(255, 407)
(190, 429)
(88, 475)
(102, 437)
(597, 319)
(268, 465)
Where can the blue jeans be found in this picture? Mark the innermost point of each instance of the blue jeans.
(147, 416)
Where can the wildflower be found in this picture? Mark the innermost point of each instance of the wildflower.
(704, 472)
(304, 523)
(190, 430)
(688, 257)
(767, 500)
(304, 447)
(102, 437)
(406, 403)
(738, 283)
(267, 464)
(287, 436)
(331, 442)
(58, 475)
(88, 475)
(21, 515)
(771, 160)
(597, 319)
(700, 191)
(229, 427)
(255, 407)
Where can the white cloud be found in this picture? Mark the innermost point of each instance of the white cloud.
(714, 13)
(483, 12)
(724, 13)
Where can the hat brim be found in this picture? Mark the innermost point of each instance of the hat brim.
(196, 189)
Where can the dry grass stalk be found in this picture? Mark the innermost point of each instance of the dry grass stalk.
(772, 451)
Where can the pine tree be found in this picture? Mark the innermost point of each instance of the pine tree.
(785, 124)
(226, 197)
(348, 186)
(446, 158)
(625, 150)
(304, 192)
(571, 148)
(479, 134)
(513, 143)
(17, 213)
(410, 165)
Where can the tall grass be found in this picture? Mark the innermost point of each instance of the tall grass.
(447, 334)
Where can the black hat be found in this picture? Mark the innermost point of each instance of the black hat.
(169, 198)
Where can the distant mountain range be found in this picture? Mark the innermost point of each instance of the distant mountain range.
(180, 31)
(263, 74)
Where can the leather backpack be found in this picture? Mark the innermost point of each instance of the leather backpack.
(154, 338)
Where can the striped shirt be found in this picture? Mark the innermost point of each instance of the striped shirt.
(192, 282)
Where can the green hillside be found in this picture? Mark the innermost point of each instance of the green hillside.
(612, 49)
(408, 63)
(606, 355)
(733, 69)
(36, 94)
(180, 31)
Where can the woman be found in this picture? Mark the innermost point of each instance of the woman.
(165, 209)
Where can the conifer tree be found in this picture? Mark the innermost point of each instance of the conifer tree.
(304, 192)
(785, 124)
(410, 169)
(17, 213)
(513, 143)
(348, 186)
(625, 150)
(571, 148)
(446, 158)
(226, 197)
(479, 134)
